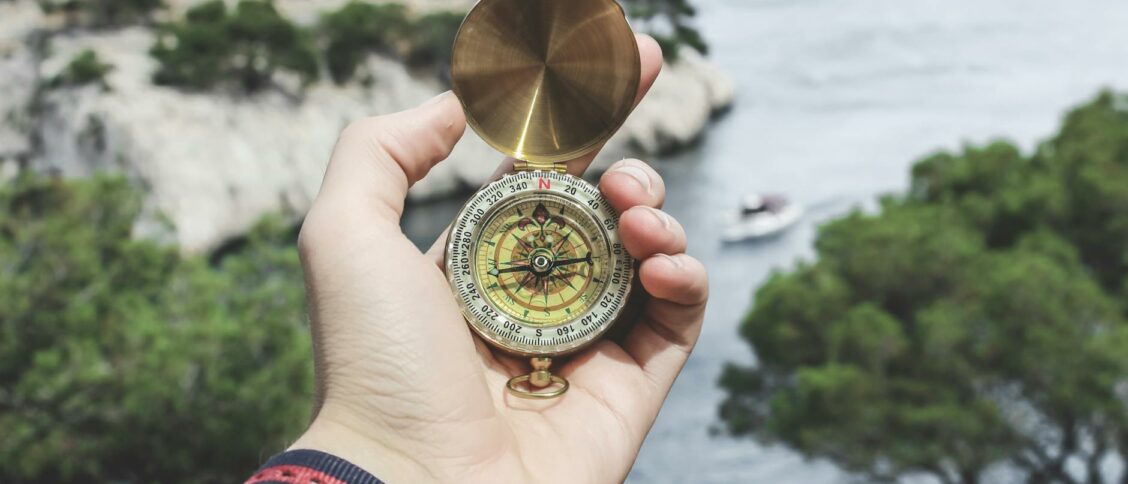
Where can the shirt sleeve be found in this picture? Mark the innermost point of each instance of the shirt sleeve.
(310, 467)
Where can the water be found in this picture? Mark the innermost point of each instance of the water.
(835, 100)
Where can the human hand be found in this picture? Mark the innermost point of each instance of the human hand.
(407, 392)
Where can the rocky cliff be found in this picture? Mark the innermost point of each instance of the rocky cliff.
(215, 163)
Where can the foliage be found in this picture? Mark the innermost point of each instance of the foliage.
(84, 68)
(103, 13)
(432, 38)
(668, 22)
(123, 361)
(211, 45)
(249, 45)
(978, 322)
(359, 29)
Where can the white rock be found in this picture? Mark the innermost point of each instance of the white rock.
(214, 164)
(18, 21)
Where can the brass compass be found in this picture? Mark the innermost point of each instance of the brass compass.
(534, 259)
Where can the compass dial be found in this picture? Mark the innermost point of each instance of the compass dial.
(535, 260)
(537, 265)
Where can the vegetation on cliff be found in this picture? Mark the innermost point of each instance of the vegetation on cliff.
(248, 44)
(668, 21)
(977, 322)
(358, 29)
(85, 68)
(123, 361)
(103, 13)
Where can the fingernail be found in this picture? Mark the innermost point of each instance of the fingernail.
(635, 172)
(661, 216)
(674, 261)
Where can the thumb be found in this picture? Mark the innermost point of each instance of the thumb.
(377, 159)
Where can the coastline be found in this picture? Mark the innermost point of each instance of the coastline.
(213, 164)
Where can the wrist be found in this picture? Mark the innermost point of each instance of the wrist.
(310, 466)
(332, 435)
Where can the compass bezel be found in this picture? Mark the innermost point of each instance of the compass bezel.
(491, 322)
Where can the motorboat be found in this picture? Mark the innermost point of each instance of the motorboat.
(761, 216)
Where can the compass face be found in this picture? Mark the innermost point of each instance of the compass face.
(535, 260)
(536, 263)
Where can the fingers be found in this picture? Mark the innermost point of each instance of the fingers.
(671, 320)
(647, 231)
(377, 159)
(631, 381)
(631, 182)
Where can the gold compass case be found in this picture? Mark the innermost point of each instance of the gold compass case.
(534, 259)
(545, 80)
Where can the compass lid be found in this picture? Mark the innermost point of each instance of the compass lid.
(545, 80)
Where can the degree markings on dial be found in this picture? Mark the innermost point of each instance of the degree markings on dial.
(565, 280)
(560, 279)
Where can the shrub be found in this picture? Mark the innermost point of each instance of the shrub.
(103, 13)
(432, 38)
(668, 22)
(249, 45)
(360, 29)
(123, 361)
(84, 68)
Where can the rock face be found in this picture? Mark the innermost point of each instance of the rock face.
(17, 80)
(213, 164)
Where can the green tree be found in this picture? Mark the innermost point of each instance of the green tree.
(103, 13)
(432, 38)
(668, 21)
(358, 29)
(977, 322)
(123, 361)
(84, 68)
(248, 45)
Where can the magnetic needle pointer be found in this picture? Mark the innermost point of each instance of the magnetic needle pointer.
(535, 259)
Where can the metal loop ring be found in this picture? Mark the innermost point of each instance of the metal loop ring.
(517, 391)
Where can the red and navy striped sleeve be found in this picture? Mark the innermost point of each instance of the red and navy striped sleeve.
(310, 467)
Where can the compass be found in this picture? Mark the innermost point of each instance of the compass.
(534, 258)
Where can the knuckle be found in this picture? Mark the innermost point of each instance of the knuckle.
(313, 235)
(307, 240)
(357, 130)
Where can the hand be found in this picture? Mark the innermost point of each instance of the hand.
(406, 391)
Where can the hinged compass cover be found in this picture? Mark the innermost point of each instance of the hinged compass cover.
(545, 80)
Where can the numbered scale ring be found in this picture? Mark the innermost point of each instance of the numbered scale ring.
(534, 258)
(537, 265)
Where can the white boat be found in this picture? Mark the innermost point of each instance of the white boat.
(762, 216)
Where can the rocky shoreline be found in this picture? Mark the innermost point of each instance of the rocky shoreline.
(213, 164)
